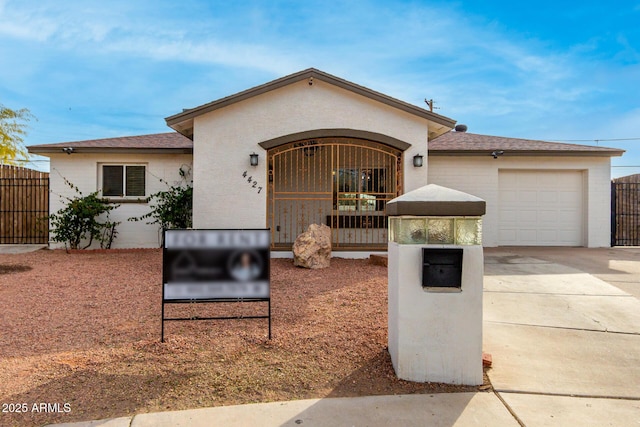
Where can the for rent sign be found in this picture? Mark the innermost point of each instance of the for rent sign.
(216, 266)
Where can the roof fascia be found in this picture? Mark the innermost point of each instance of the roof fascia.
(110, 150)
(529, 153)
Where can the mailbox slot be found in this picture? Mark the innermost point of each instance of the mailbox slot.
(441, 268)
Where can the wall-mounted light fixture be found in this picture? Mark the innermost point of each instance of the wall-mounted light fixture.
(253, 159)
(418, 160)
(68, 150)
(497, 153)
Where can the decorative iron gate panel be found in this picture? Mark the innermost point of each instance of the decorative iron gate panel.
(625, 214)
(344, 183)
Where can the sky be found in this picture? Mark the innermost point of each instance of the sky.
(548, 70)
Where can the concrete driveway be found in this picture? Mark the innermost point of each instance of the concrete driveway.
(619, 266)
(565, 343)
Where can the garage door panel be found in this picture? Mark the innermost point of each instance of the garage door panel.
(547, 236)
(528, 237)
(508, 235)
(528, 197)
(566, 217)
(572, 178)
(510, 195)
(568, 236)
(570, 198)
(527, 216)
(527, 181)
(548, 196)
(541, 208)
(508, 217)
(547, 217)
(547, 179)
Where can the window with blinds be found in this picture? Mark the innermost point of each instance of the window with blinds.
(123, 180)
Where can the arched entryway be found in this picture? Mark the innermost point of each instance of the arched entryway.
(343, 182)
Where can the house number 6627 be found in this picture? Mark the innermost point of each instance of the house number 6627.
(254, 184)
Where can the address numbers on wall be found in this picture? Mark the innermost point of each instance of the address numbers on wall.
(251, 182)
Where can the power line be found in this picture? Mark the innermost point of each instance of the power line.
(596, 140)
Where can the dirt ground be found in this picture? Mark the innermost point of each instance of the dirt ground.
(80, 334)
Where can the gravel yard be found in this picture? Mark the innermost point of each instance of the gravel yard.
(83, 329)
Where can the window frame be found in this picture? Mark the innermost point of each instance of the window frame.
(123, 197)
(361, 199)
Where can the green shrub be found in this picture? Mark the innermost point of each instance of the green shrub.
(172, 208)
(79, 221)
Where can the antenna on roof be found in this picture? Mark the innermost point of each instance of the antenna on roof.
(430, 103)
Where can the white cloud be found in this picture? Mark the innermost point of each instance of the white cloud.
(477, 71)
(99, 31)
(25, 25)
(367, 37)
(211, 52)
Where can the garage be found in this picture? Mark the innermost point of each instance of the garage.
(540, 208)
(538, 193)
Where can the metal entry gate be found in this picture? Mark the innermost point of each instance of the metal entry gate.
(625, 213)
(344, 183)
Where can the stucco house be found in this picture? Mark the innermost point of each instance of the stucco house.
(314, 148)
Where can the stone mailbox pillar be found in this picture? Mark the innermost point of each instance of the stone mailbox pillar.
(436, 269)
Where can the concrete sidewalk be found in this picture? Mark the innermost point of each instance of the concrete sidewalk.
(20, 249)
(459, 409)
(565, 347)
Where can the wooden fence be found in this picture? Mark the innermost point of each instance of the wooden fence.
(24, 206)
(625, 211)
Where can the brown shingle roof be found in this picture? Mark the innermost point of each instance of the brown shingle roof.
(465, 143)
(160, 142)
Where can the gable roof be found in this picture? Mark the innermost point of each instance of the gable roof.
(471, 144)
(183, 122)
(171, 142)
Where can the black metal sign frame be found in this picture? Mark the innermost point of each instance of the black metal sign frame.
(216, 266)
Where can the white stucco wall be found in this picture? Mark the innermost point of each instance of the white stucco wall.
(479, 176)
(224, 138)
(82, 171)
(435, 335)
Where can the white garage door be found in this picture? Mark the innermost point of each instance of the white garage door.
(540, 208)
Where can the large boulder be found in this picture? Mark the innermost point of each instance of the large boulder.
(312, 249)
